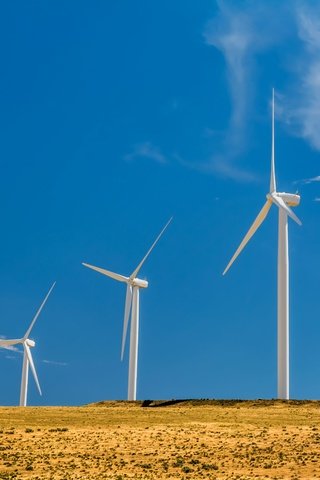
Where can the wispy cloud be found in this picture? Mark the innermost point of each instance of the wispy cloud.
(53, 362)
(301, 109)
(11, 347)
(146, 150)
(243, 32)
(234, 33)
(224, 167)
(240, 31)
(219, 166)
(306, 181)
(317, 199)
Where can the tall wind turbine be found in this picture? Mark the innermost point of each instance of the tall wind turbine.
(131, 305)
(283, 201)
(27, 357)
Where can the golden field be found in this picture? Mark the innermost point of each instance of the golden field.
(185, 440)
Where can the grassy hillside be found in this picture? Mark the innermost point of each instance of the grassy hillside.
(162, 440)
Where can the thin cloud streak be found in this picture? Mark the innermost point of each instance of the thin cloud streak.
(10, 347)
(307, 181)
(146, 150)
(226, 169)
(218, 167)
(52, 362)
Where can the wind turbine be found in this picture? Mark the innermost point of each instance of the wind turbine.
(283, 201)
(27, 357)
(131, 305)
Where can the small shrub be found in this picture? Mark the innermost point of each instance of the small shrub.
(187, 469)
(179, 462)
(208, 466)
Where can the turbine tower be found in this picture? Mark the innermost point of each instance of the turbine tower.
(131, 305)
(27, 357)
(283, 201)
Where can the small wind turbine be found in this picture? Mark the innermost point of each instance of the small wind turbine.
(27, 357)
(131, 304)
(283, 201)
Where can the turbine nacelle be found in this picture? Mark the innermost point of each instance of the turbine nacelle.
(136, 282)
(30, 343)
(291, 199)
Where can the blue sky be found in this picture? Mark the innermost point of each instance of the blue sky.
(115, 116)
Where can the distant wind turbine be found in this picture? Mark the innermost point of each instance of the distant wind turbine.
(131, 305)
(283, 201)
(27, 357)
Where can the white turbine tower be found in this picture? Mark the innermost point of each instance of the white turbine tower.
(131, 304)
(27, 357)
(283, 201)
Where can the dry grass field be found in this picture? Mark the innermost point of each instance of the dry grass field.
(186, 440)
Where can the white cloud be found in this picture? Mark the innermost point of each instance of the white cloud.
(306, 181)
(11, 347)
(234, 32)
(240, 31)
(302, 107)
(146, 150)
(317, 199)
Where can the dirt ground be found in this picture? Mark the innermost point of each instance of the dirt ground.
(185, 440)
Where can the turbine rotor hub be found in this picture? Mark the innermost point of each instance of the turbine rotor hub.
(136, 282)
(30, 343)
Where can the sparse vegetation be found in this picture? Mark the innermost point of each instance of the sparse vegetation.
(191, 440)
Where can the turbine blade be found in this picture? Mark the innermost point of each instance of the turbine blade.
(272, 174)
(115, 276)
(30, 360)
(126, 317)
(38, 312)
(282, 204)
(252, 230)
(136, 271)
(7, 343)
